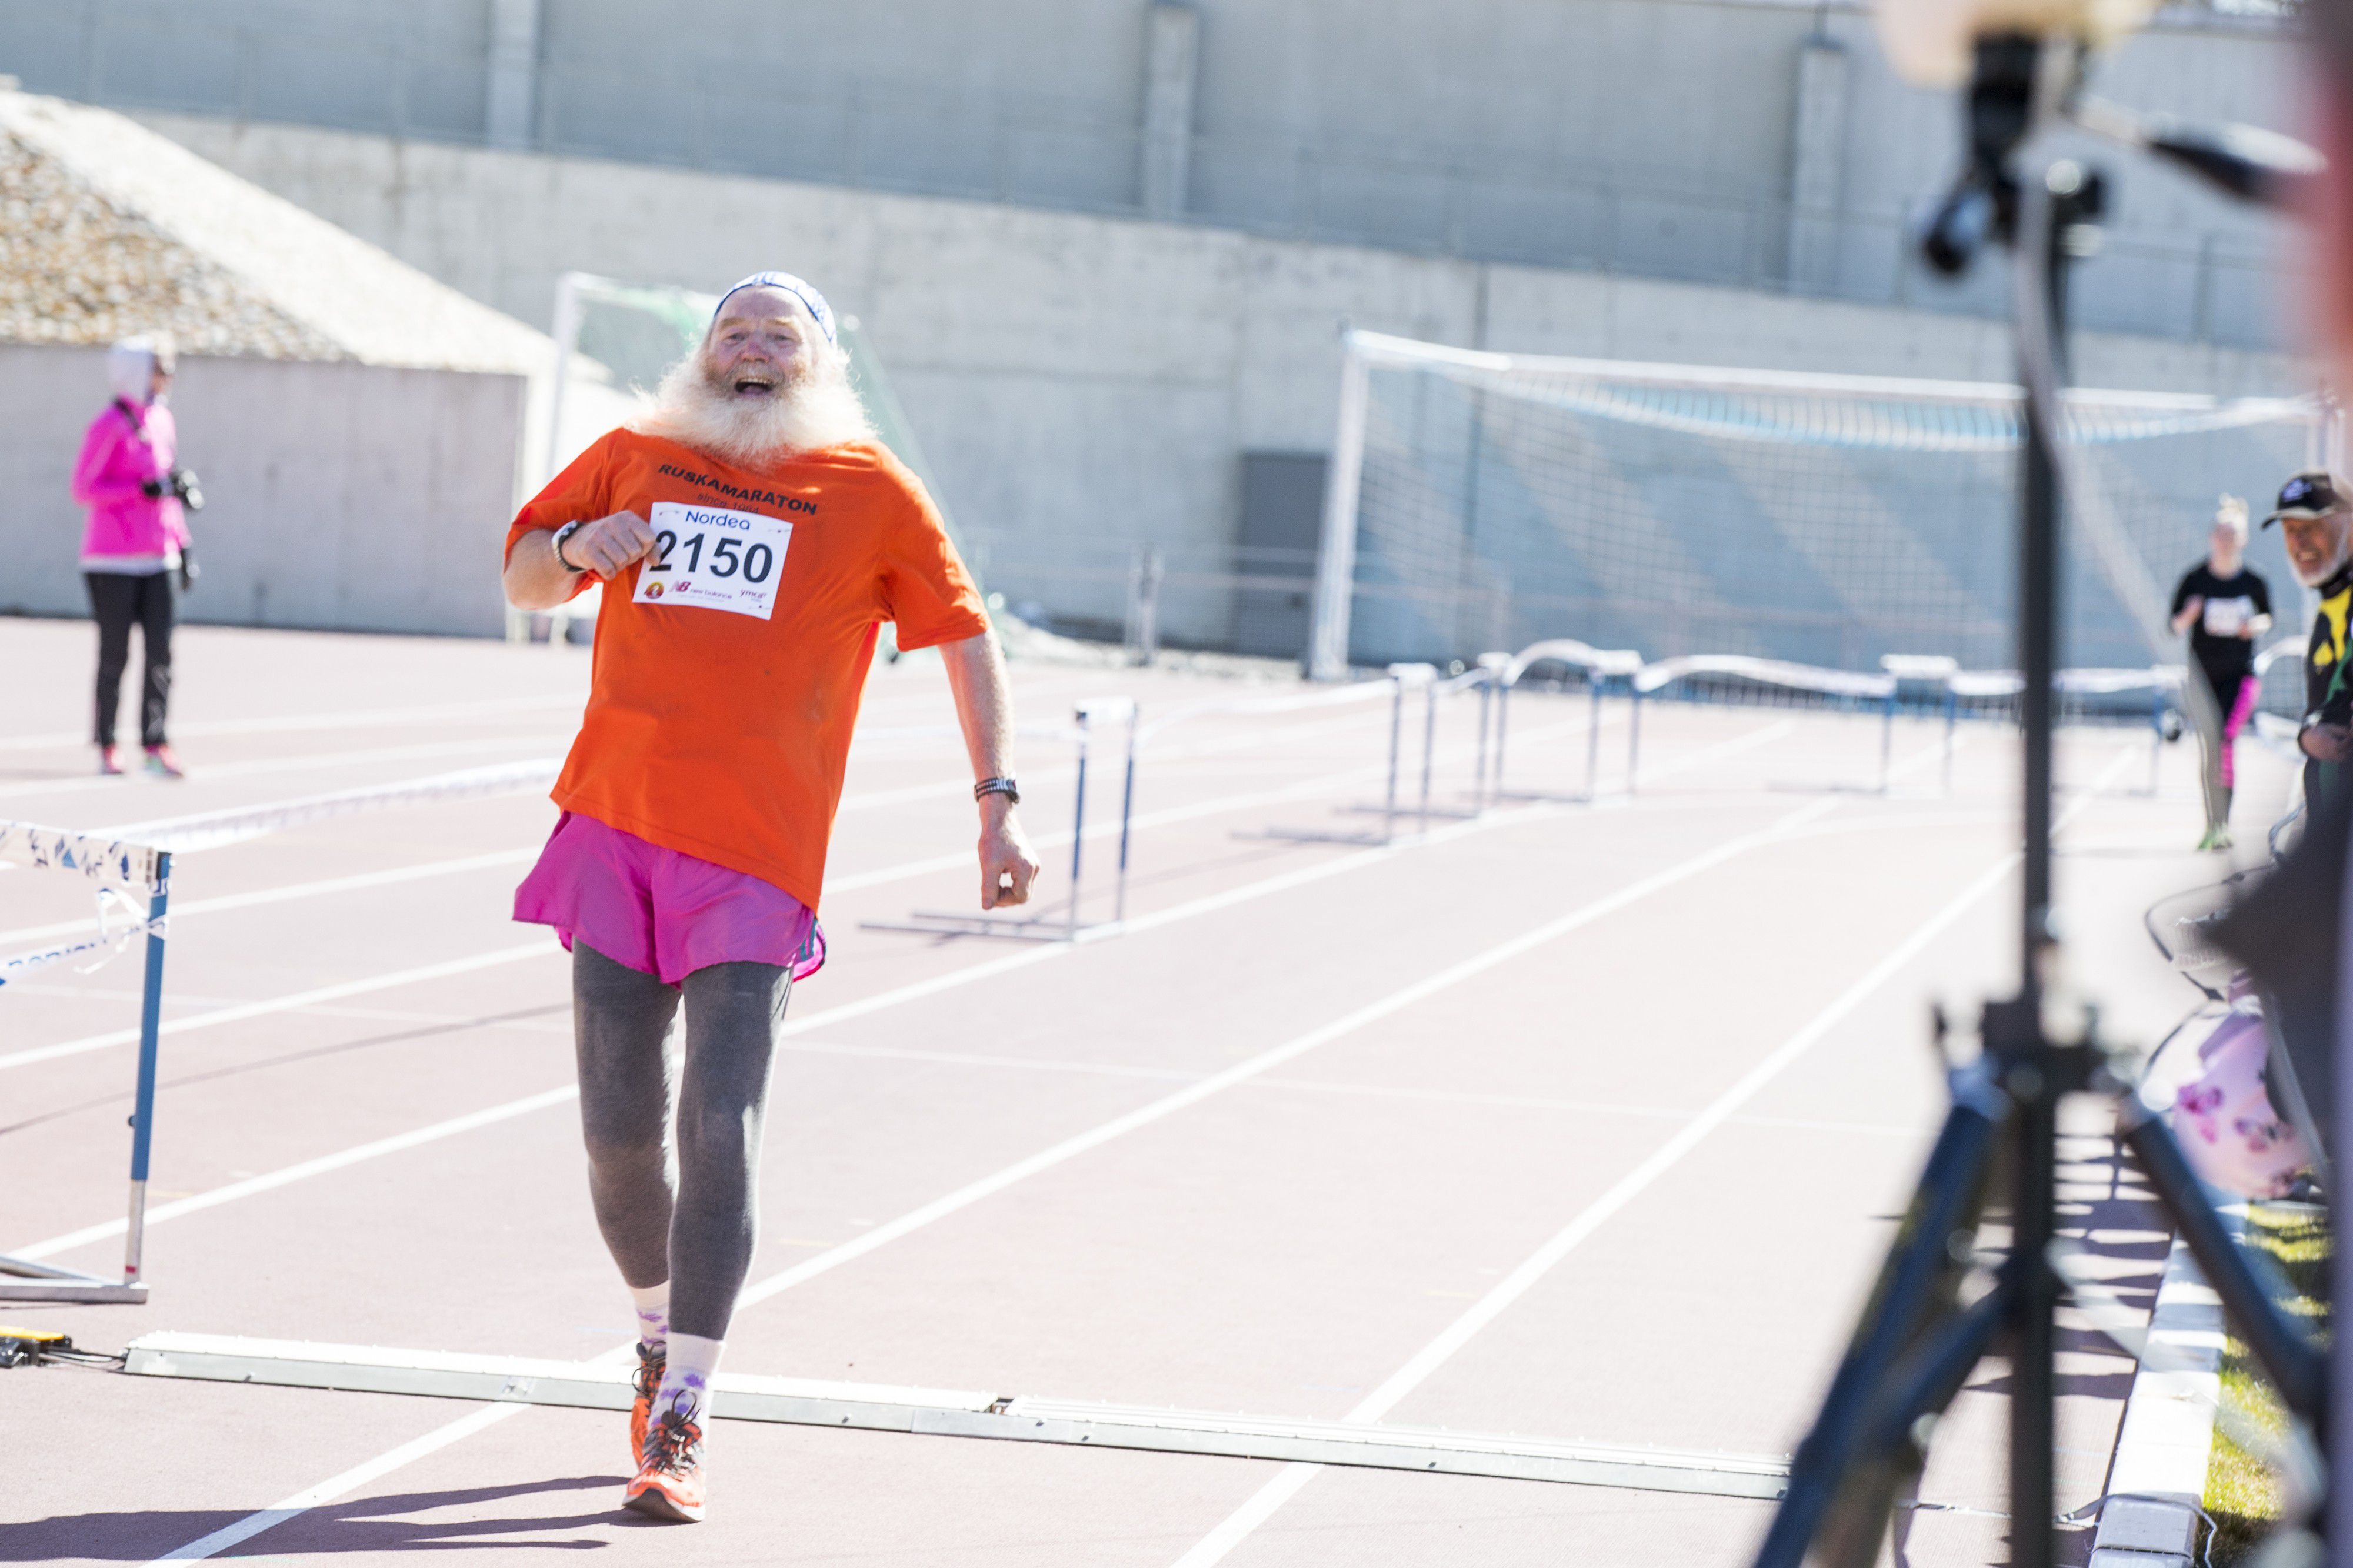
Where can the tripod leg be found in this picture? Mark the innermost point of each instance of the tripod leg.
(2035, 1337)
(1923, 1384)
(1916, 1279)
(2238, 1276)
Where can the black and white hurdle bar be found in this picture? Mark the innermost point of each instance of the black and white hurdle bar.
(955, 1413)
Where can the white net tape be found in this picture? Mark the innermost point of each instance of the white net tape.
(1816, 520)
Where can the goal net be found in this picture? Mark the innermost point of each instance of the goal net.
(1483, 501)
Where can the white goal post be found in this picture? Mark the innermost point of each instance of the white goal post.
(1481, 500)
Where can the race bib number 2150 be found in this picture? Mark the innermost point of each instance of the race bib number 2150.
(709, 558)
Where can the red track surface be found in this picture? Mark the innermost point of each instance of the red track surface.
(1284, 1245)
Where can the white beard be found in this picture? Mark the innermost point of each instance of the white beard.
(814, 411)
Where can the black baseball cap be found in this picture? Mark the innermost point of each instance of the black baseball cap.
(2315, 492)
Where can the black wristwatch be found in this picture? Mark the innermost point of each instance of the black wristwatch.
(566, 532)
(1006, 787)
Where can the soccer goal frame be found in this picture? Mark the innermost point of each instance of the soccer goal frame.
(1365, 352)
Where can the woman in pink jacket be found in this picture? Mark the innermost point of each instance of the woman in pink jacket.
(137, 539)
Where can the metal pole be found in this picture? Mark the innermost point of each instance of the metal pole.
(1502, 727)
(1335, 562)
(1887, 743)
(1633, 734)
(1078, 826)
(1486, 717)
(1429, 746)
(2050, 203)
(143, 1115)
(1952, 719)
(1593, 738)
(566, 327)
(1397, 732)
(2156, 730)
(1126, 815)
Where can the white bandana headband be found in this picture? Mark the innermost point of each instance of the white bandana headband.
(806, 292)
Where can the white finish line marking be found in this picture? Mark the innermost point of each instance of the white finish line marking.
(1288, 1483)
(1069, 1148)
(605, 1385)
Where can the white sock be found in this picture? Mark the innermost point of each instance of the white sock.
(686, 1380)
(653, 1313)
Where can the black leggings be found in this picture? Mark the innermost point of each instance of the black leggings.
(695, 1228)
(119, 599)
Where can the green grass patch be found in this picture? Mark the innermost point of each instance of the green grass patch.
(2242, 1493)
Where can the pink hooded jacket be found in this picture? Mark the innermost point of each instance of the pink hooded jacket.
(128, 445)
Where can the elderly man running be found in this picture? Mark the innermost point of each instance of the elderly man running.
(755, 535)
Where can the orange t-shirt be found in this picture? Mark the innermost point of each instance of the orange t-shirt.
(728, 664)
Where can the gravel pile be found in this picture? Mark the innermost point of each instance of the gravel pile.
(77, 268)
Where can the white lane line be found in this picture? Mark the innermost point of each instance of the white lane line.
(351, 1480)
(953, 978)
(848, 1011)
(356, 882)
(379, 718)
(343, 720)
(287, 1174)
(1244, 1071)
(273, 765)
(1287, 1482)
(1069, 1148)
(245, 1010)
(835, 885)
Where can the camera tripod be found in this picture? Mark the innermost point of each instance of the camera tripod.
(1928, 1324)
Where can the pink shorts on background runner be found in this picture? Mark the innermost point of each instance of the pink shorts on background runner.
(662, 912)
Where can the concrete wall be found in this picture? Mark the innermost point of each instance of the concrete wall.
(1658, 138)
(1081, 384)
(338, 495)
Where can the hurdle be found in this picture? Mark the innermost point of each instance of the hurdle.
(117, 866)
(1806, 678)
(2162, 683)
(1599, 664)
(137, 860)
(1934, 669)
(1401, 679)
(1070, 927)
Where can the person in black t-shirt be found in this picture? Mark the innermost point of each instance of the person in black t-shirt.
(2225, 608)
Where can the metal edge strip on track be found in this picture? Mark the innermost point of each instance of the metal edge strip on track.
(962, 1414)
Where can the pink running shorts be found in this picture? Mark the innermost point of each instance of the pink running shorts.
(662, 912)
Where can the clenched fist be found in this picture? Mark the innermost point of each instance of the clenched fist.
(609, 543)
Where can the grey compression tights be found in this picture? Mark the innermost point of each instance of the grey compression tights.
(695, 1231)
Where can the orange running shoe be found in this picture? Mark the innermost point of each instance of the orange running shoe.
(669, 1484)
(650, 1364)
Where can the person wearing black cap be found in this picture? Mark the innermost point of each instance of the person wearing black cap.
(2316, 526)
(2224, 607)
